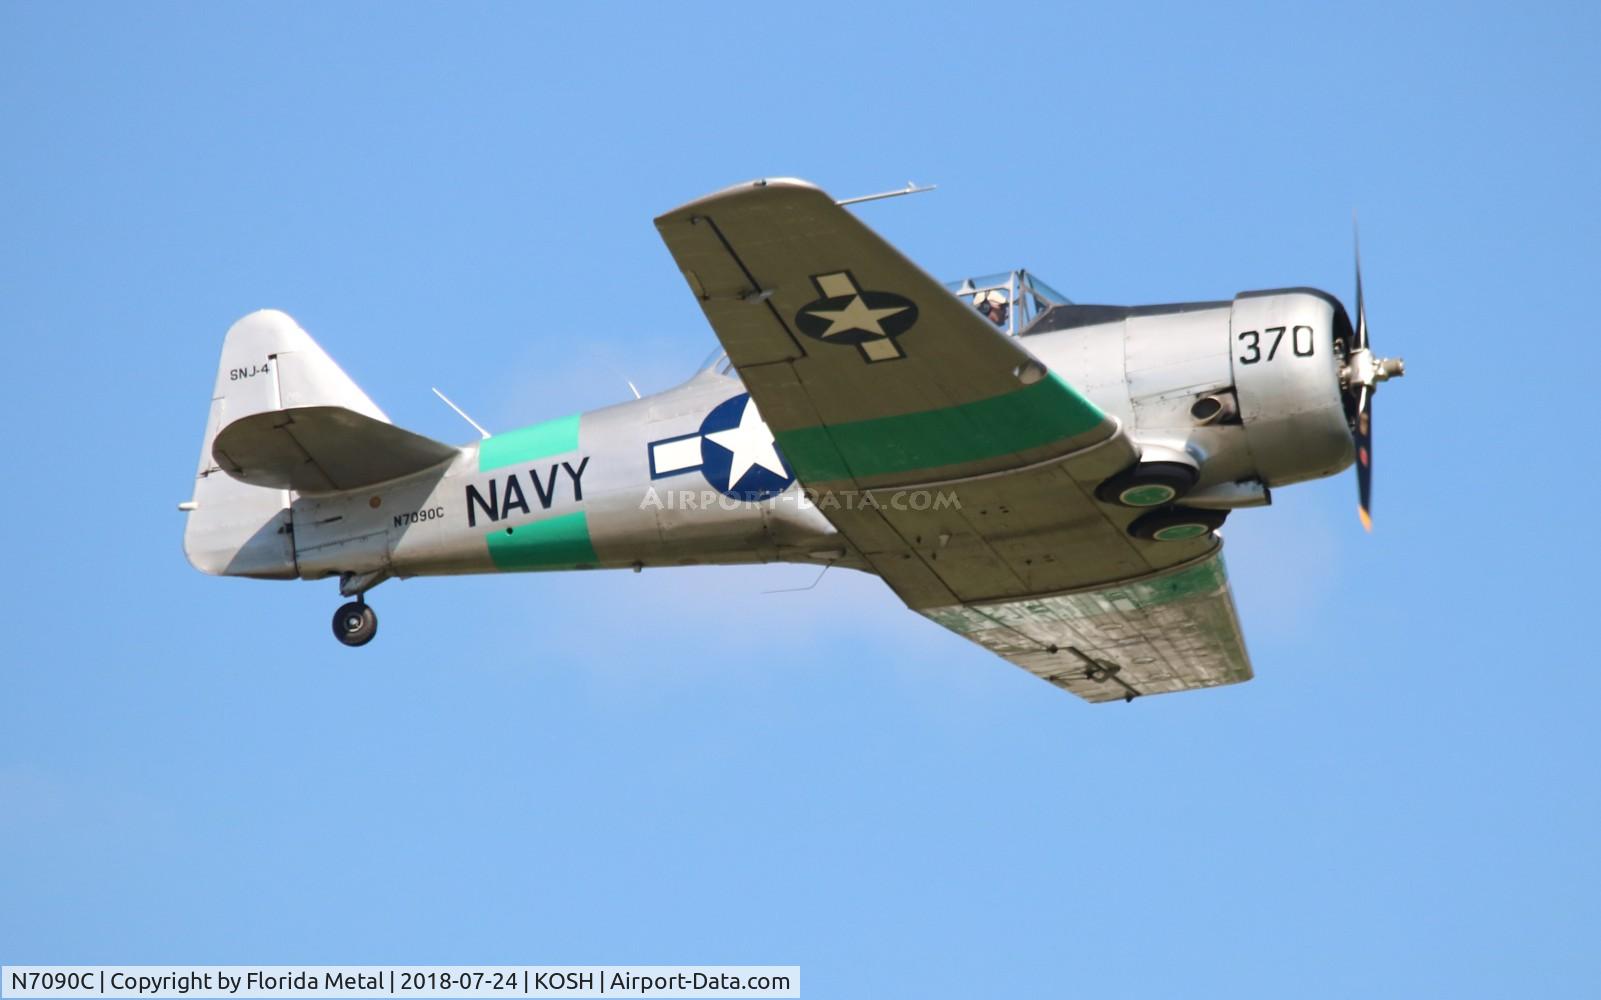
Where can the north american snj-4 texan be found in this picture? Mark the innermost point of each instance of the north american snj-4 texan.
(1044, 478)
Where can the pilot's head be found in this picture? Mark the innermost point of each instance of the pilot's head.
(993, 305)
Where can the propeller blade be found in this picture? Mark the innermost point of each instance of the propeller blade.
(1361, 309)
(1364, 458)
(1370, 376)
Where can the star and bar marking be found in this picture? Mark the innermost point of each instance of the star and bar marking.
(846, 314)
(733, 449)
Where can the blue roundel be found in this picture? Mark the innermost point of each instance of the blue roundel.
(738, 455)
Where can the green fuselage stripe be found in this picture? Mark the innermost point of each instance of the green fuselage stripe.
(1032, 416)
(560, 542)
(529, 444)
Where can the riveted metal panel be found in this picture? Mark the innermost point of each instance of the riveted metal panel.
(1173, 359)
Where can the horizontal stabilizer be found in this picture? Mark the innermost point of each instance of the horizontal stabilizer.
(322, 449)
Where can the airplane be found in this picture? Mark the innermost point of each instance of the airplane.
(1044, 478)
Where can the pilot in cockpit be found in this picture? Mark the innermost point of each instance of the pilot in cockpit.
(993, 305)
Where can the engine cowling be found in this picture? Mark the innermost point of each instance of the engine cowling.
(1246, 391)
(1286, 350)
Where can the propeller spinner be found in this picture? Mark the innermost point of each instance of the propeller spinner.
(1360, 377)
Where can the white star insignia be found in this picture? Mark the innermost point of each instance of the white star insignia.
(752, 445)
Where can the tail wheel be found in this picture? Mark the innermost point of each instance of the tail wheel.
(1148, 484)
(355, 623)
(1177, 524)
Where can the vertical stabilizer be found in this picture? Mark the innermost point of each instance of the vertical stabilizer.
(268, 363)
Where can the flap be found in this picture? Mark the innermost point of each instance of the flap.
(322, 449)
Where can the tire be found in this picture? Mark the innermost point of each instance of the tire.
(355, 624)
(1177, 524)
(1148, 484)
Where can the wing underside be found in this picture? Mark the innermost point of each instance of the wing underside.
(1173, 631)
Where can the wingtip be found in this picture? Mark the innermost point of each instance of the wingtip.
(744, 188)
(1367, 519)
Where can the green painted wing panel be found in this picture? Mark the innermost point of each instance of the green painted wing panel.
(1012, 423)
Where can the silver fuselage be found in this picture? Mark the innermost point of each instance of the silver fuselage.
(592, 490)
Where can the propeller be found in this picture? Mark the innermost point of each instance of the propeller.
(1360, 377)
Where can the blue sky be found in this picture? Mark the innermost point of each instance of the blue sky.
(676, 767)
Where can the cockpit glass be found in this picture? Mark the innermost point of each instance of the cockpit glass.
(718, 362)
(1046, 293)
(1012, 300)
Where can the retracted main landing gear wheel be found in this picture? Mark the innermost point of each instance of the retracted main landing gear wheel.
(1177, 524)
(1148, 484)
(355, 623)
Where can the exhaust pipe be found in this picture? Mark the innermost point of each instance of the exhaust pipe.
(1215, 407)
